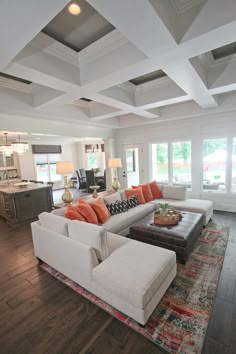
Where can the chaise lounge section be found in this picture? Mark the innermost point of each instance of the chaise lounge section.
(106, 264)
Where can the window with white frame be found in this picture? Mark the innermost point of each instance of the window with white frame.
(218, 164)
(214, 164)
(95, 157)
(160, 169)
(181, 163)
(46, 167)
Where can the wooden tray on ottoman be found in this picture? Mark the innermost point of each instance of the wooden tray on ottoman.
(168, 220)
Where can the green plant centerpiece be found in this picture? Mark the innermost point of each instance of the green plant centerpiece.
(164, 208)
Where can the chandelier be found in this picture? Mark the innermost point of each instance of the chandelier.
(6, 149)
(19, 146)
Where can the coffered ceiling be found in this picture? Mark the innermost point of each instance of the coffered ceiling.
(78, 32)
(123, 63)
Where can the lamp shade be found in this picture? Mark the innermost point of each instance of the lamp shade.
(64, 168)
(114, 162)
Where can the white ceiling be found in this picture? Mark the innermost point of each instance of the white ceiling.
(174, 36)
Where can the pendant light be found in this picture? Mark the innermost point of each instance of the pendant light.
(19, 146)
(6, 149)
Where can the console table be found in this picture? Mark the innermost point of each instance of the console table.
(18, 205)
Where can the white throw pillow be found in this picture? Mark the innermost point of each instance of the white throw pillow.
(92, 235)
(54, 223)
(174, 192)
(112, 198)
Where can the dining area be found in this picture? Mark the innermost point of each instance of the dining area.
(88, 179)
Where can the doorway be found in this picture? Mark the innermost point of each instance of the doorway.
(132, 165)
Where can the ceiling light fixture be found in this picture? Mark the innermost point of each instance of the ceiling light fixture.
(74, 9)
(7, 148)
(19, 146)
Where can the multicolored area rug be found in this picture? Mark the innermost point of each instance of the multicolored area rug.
(179, 322)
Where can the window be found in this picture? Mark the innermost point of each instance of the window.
(131, 160)
(214, 164)
(233, 187)
(46, 167)
(95, 156)
(181, 163)
(160, 162)
(92, 160)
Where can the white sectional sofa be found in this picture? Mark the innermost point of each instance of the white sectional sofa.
(131, 276)
(174, 195)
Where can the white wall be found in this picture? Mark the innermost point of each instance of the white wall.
(194, 129)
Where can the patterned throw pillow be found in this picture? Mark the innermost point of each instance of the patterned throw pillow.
(132, 202)
(120, 206)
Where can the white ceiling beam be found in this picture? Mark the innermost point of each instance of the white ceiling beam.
(121, 105)
(20, 22)
(208, 41)
(184, 74)
(153, 30)
(108, 115)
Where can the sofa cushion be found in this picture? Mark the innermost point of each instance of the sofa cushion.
(92, 235)
(118, 222)
(147, 193)
(101, 210)
(132, 202)
(134, 272)
(137, 191)
(112, 198)
(72, 213)
(120, 206)
(174, 192)
(155, 189)
(54, 223)
(87, 212)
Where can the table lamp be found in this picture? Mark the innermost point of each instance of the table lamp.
(65, 168)
(115, 163)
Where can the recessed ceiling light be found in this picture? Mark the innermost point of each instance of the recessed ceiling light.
(74, 9)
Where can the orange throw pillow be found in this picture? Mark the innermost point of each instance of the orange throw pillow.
(156, 192)
(72, 213)
(87, 212)
(147, 193)
(138, 191)
(101, 210)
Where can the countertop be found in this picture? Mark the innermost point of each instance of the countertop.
(15, 189)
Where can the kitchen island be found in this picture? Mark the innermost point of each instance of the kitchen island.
(19, 204)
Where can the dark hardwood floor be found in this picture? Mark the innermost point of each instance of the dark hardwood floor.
(38, 314)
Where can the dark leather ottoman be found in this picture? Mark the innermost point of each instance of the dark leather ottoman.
(179, 238)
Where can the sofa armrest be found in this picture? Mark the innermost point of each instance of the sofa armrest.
(70, 257)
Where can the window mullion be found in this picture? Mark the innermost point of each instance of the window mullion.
(228, 179)
(170, 162)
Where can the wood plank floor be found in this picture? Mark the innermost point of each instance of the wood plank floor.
(38, 314)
